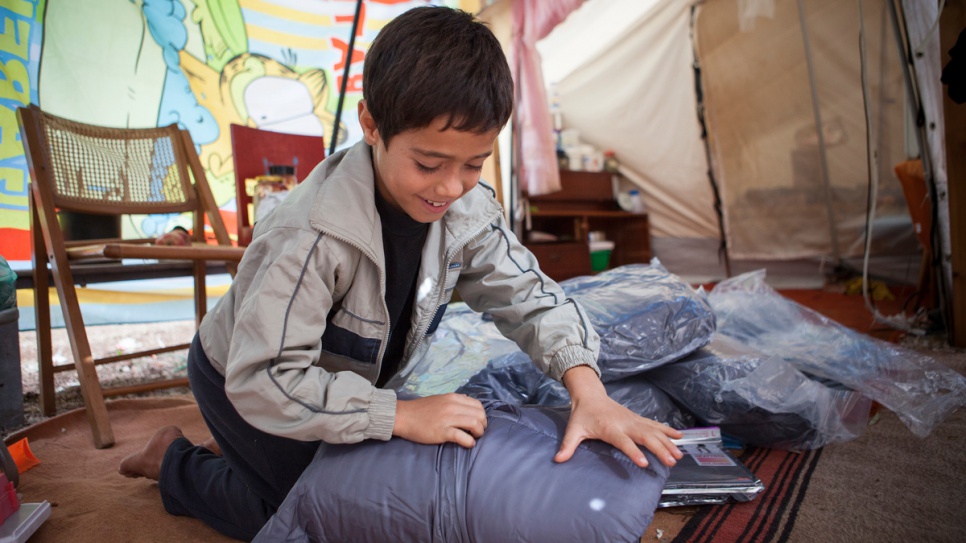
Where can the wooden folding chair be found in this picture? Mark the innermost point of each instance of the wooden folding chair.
(254, 151)
(88, 169)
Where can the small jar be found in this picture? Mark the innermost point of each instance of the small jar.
(286, 173)
(593, 160)
(610, 161)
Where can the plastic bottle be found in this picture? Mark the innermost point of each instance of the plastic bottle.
(637, 204)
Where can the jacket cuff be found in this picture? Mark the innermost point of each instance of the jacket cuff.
(569, 357)
(382, 414)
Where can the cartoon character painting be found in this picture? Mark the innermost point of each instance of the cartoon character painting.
(202, 64)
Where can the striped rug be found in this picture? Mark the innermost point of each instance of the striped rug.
(768, 518)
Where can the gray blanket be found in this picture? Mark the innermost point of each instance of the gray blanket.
(506, 488)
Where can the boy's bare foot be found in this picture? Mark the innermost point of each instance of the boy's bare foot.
(211, 445)
(147, 461)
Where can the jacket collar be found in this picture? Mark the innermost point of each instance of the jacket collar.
(345, 204)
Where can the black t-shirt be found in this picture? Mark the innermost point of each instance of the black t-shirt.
(402, 243)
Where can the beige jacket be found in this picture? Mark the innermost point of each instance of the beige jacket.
(301, 332)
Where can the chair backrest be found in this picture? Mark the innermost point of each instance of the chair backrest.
(117, 171)
(255, 150)
(109, 170)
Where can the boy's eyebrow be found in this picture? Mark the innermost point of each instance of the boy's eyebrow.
(437, 154)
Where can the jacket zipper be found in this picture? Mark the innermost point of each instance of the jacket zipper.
(424, 323)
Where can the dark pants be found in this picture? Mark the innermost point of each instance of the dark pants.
(235, 493)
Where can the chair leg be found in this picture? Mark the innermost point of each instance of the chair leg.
(84, 361)
(45, 364)
(201, 291)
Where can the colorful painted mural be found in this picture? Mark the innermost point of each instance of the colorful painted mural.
(203, 64)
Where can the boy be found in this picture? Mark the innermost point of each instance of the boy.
(344, 284)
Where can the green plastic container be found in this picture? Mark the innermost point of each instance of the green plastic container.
(600, 254)
(8, 286)
(11, 388)
(599, 260)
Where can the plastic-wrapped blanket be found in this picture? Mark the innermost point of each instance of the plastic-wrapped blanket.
(762, 399)
(515, 380)
(645, 315)
(920, 390)
(464, 343)
(795, 384)
(506, 488)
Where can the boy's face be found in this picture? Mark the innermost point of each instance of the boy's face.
(426, 169)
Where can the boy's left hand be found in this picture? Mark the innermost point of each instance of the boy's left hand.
(594, 415)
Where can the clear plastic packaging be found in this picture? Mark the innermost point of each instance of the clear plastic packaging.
(777, 374)
(920, 390)
(645, 315)
(643, 397)
(513, 379)
(761, 399)
(463, 345)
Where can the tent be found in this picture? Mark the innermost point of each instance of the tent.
(761, 133)
(781, 99)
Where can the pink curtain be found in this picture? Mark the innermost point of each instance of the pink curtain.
(537, 158)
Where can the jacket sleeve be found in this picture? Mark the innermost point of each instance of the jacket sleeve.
(501, 277)
(279, 318)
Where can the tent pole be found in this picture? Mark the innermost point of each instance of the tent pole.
(345, 77)
(823, 160)
(705, 136)
(904, 46)
(516, 192)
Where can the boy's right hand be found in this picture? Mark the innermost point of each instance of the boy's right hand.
(437, 419)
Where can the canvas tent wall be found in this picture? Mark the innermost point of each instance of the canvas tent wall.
(771, 74)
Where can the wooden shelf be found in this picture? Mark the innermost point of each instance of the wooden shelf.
(562, 260)
(585, 204)
(584, 213)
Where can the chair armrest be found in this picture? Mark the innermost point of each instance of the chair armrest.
(198, 251)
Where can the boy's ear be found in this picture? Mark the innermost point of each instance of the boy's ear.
(369, 130)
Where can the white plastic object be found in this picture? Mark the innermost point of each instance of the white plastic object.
(636, 203)
(18, 527)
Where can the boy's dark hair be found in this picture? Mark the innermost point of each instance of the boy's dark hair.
(436, 61)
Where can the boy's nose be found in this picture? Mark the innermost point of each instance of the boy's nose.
(451, 187)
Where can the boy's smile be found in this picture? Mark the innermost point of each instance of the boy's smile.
(426, 169)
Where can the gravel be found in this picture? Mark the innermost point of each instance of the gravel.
(108, 340)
